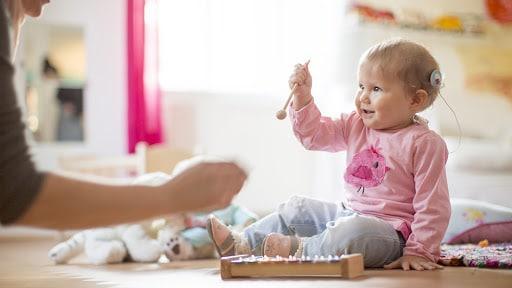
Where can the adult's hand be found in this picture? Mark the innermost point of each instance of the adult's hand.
(205, 186)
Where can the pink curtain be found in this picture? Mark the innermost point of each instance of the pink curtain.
(144, 95)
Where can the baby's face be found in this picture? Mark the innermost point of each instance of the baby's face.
(382, 101)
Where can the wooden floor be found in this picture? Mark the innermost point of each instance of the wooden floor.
(23, 263)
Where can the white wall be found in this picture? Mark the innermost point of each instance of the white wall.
(105, 95)
(238, 127)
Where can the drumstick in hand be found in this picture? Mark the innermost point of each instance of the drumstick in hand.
(281, 114)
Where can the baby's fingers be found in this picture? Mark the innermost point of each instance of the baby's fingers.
(405, 266)
(393, 265)
(296, 79)
(302, 67)
(417, 266)
(428, 266)
(435, 265)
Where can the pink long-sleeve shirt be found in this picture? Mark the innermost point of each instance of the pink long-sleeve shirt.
(398, 176)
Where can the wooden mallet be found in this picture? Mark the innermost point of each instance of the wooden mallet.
(281, 114)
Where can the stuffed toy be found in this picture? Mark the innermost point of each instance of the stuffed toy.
(178, 237)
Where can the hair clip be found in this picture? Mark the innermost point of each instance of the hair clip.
(436, 78)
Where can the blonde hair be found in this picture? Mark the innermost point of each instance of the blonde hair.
(411, 62)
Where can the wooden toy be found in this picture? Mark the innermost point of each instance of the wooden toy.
(345, 266)
(281, 114)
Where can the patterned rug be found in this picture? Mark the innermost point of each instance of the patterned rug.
(483, 255)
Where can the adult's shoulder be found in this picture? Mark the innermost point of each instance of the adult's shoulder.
(5, 41)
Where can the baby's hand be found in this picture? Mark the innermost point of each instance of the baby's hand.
(415, 262)
(302, 93)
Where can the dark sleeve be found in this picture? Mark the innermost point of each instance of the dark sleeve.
(19, 179)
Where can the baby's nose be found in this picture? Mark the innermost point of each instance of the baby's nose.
(364, 97)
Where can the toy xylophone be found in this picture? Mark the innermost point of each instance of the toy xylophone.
(345, 266)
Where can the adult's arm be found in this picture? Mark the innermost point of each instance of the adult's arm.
(66, 202)
(19, 180)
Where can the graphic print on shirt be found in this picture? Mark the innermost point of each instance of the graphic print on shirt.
(367, 169)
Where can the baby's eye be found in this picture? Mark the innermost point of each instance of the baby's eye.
(377, 89)
(361, 86)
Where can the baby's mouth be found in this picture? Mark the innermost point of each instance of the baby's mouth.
(367, 112)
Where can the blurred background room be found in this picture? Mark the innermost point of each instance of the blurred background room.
(207, 76)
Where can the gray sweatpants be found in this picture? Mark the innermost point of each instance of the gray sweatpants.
(327, 228)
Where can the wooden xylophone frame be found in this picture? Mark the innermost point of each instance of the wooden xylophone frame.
(345, 266)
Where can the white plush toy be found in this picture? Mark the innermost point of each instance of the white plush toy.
(179, 237)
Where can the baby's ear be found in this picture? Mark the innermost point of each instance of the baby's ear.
(419, 100)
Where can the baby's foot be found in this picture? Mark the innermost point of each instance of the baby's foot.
(222, 237)
(276, 244)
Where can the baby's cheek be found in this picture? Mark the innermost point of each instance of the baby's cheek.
(357, 100)
(375, 95)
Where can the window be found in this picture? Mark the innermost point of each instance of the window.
(246, 46)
